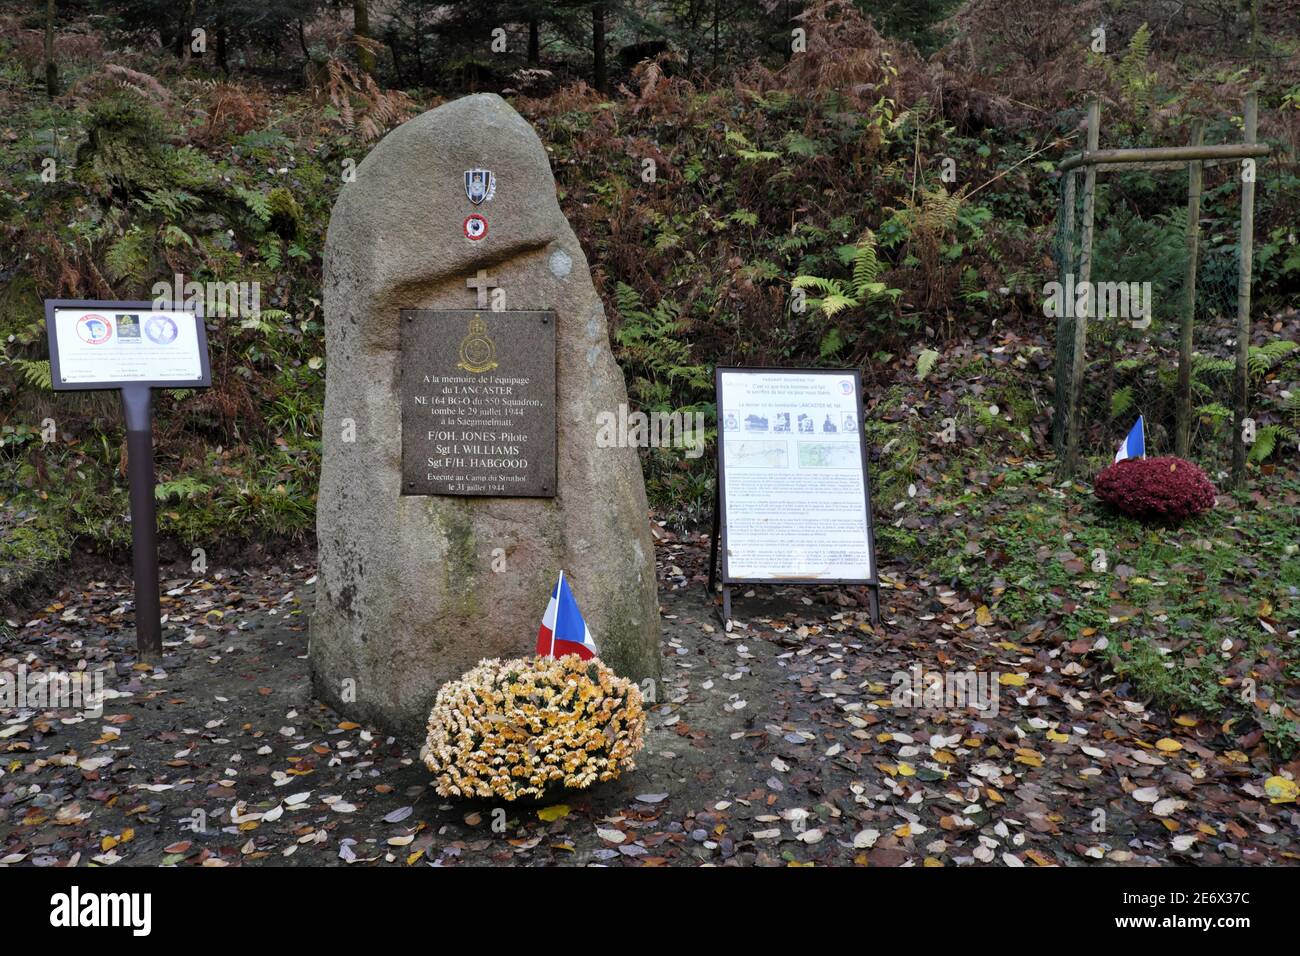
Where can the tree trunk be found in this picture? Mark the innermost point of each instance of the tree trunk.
(600, 78)
(787, 53)
(1254, 30)
(716, 15)
(397, 58)
(51, 68)
(534, 43)
(222, 55)
(693, 22)
(361, 27)
(187, 30)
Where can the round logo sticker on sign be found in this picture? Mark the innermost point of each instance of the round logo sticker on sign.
(476, 227)
(160, 329)
(94, 329)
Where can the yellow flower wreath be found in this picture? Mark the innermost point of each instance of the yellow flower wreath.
(515, 728)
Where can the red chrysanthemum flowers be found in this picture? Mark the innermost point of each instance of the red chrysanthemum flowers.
(1155, 488)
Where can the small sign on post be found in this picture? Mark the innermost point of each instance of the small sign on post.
(794, 499)
(134, 347)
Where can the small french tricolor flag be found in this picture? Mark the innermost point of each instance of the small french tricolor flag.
(1135, 445)
(563, 630)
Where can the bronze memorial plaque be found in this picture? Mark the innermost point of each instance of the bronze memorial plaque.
(478, 403)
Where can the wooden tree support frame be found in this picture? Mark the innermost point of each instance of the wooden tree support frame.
(1195, 156)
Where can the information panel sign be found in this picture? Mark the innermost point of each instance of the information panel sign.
(96, 345)
(134, 347)
(792, 476)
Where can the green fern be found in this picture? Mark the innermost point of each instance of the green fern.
(796, 144)
(174, 236)
(1121, 401)
(187, 488)
(652, 345)
(760, 271)
(802, 238)
(1205, 365)
(172, 205)
(1265, 442)
(863, 287)
(666, 239)
(1215, 411)
(128, 256)
(834, 298)
(825, 286)
(35, 372)
(1136, 79)
(830, 344)
(745, 149)
(795, 243)
(271, 251)
(866, 267)
(258, 203)
(968, 286)
(1261, 359)
(925, 362)
(267, 320)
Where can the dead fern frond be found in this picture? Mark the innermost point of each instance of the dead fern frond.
(142, 83)
(362, 105)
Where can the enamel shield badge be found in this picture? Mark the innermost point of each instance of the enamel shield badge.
(480, 185)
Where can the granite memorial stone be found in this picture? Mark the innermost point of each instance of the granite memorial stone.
(467, 361)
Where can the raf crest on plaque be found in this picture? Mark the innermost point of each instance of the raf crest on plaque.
(478, 353)
(480, 185)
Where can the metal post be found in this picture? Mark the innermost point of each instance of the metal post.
(1183, 436)
(137, 403)
(1078, 360)
(713, 539)
(1241, 397)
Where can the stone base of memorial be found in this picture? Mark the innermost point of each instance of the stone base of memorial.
(530, 727)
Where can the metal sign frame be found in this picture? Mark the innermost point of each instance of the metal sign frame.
(718, 541)
(53, 305)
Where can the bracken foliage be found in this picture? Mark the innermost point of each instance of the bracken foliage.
(854, 205)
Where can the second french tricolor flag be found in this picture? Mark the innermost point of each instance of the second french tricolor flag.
(563, 630)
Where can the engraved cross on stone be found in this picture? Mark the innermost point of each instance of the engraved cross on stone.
(480, 284)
